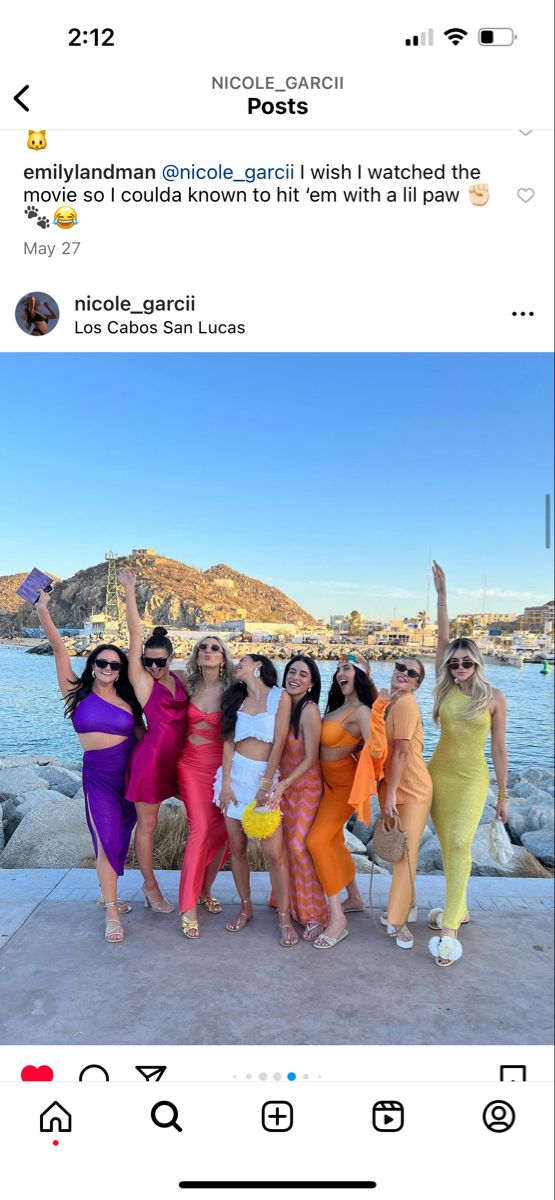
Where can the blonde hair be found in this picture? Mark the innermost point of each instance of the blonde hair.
(193, 671)
(480, 689)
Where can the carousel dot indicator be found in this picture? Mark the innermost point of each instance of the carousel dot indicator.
(291, 1075)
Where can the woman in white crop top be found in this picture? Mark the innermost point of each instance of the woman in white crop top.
(255, 721)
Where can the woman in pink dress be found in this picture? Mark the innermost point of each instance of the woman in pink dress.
(151, 772)
(208, 673)
(300, 791)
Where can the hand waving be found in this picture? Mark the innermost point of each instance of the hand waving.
(127, 577)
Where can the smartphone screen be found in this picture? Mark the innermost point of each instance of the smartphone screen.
(276, 746)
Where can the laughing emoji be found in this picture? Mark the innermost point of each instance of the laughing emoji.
(65, 217)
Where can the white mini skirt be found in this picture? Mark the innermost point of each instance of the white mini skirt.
(245, 777)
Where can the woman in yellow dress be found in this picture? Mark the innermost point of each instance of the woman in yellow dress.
(468, 709)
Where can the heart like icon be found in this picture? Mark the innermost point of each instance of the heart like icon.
(42, 1074)
(526, 194)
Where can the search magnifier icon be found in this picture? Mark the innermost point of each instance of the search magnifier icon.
(167, 1118)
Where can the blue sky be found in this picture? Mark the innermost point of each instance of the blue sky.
(330, 476)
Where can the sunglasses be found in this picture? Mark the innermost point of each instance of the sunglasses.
(213, 648)
(105, 665)
(403, 670)
(154, 662)
(455, 664)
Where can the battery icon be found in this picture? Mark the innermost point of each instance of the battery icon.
(496, 37)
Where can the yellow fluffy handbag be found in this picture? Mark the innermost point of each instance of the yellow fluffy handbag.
(260, 823)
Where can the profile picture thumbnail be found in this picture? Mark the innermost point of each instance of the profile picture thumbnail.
(37, 314)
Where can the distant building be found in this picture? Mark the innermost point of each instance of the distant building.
(149, 551)
(536, 618)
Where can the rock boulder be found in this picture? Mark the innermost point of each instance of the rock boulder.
(540, 844)
(16, 780)
(53, 834)
(61, 779)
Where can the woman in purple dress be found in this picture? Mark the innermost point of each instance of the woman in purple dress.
(106, 716)
(152, 769)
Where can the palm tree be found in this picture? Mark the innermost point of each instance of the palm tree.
(422, 621)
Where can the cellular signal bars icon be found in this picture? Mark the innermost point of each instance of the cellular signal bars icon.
(421, 39)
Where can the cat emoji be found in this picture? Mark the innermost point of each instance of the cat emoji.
(37, 139)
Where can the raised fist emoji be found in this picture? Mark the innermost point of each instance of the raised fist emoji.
(479, 194)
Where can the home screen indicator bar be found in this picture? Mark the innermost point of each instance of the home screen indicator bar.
(283, 1183)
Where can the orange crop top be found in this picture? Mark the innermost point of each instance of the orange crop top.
(334, 735)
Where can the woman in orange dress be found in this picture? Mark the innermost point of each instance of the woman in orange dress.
(299, 792)
(345, 728)
(406, 792)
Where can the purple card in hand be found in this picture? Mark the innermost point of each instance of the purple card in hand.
(28, 590)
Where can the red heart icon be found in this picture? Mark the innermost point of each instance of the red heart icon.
(37, 1074)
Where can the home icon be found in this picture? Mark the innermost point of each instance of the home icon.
(55, 1119)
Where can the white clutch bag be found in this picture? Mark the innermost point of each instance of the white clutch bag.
(500, 845)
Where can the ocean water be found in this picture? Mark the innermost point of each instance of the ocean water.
(32, 721)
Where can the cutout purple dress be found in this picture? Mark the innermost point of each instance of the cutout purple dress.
(106, 809)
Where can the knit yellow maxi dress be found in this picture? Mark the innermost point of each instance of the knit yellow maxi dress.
(461, 781)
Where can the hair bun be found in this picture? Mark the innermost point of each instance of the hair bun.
(159, 631)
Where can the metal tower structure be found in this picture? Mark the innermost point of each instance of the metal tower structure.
(112, 611)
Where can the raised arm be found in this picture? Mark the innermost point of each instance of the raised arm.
(64, 671)
(139, 678)
(443, 638)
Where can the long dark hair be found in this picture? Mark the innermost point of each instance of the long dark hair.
(313, 694)
(233, 697)
(122, 685)
(158, 640)
(365, 689)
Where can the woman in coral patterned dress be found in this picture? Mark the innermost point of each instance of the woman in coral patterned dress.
(299, 793)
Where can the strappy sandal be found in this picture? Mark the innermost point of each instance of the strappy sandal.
(435, 919)
(211, 904)
(237, 923)
(287, 939)
(157, 906)
(121, 905)
(445, 950)
(114, 931)
(312, 929)
(189, 927)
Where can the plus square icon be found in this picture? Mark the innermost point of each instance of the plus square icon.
(277, 1116)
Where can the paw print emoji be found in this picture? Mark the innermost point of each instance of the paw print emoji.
(479, 194)
(43, 222)
(31, 212)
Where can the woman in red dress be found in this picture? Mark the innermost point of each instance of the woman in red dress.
(209, 672)
(151, 773)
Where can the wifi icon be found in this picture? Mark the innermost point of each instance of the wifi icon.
(455, 35)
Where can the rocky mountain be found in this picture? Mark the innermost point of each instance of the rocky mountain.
(168, 593)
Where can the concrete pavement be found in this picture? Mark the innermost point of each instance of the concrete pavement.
(61, 983)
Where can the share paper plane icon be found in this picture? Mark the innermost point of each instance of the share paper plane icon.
(149, 1073)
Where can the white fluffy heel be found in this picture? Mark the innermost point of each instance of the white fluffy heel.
(447, 948)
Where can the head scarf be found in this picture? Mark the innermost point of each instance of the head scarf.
(357, 660)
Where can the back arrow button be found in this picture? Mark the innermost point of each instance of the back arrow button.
(19, 94)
